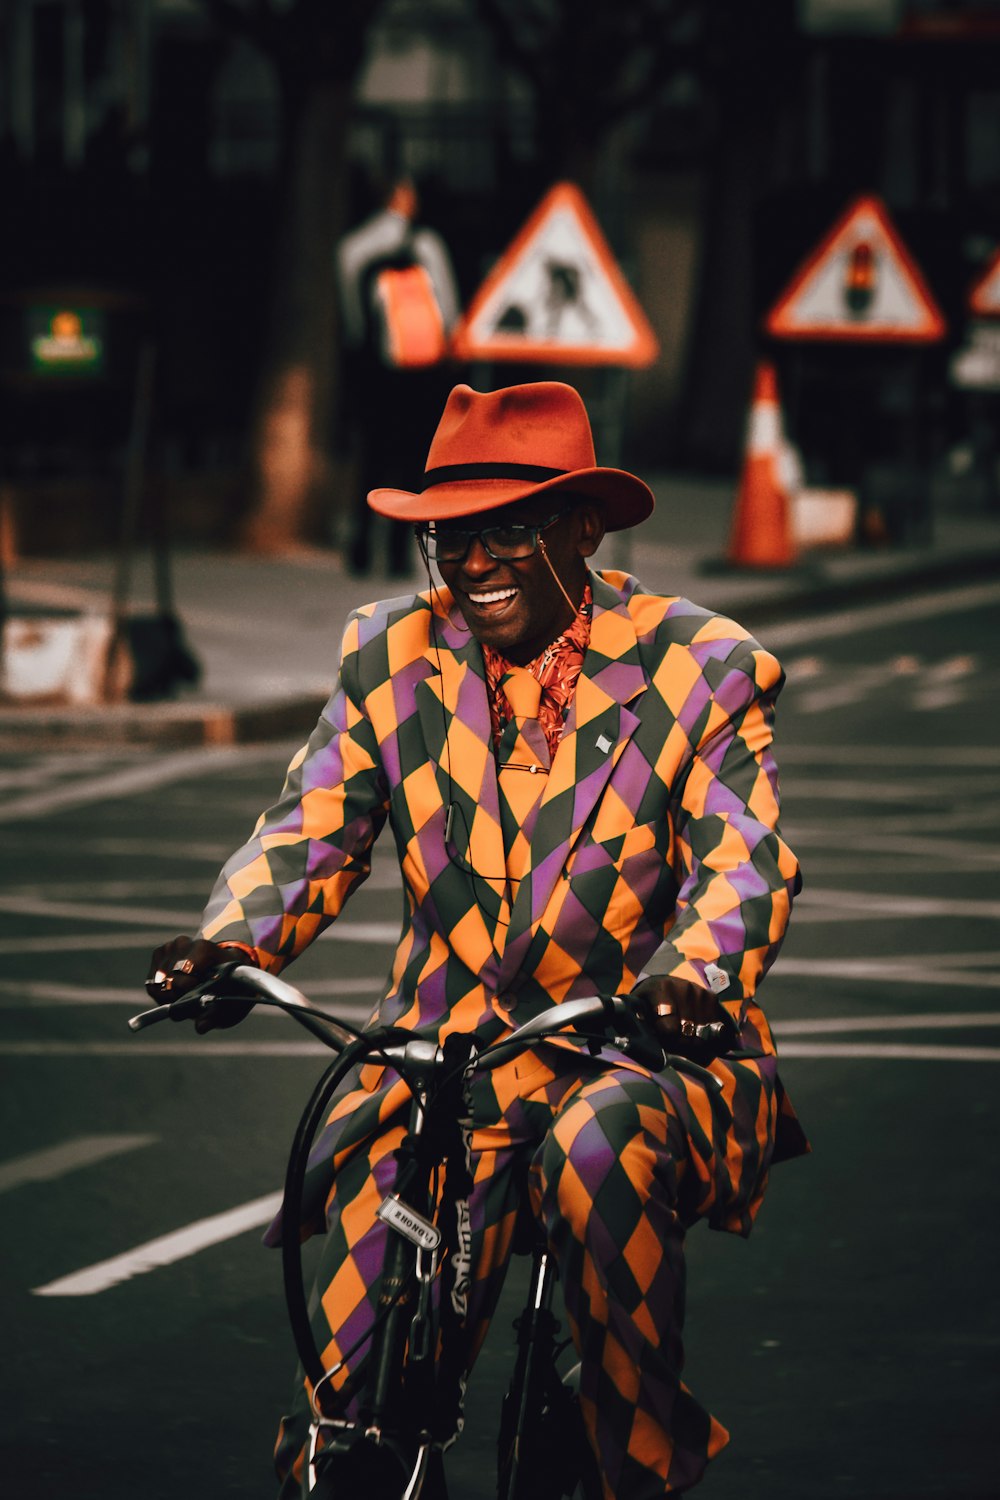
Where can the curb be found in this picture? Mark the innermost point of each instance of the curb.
(181, 725)
(823, 595)
(167, 725)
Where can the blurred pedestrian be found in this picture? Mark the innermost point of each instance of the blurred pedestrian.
(398, 302)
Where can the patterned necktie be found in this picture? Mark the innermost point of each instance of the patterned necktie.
(524, 754)
(523, 692)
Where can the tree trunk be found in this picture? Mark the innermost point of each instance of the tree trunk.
(721, 349)
(290, 465)
(753, 66)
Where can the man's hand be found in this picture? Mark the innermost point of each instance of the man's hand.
(179, 965)
(675, 1007)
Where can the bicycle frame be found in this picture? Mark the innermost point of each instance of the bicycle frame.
(403, 1343)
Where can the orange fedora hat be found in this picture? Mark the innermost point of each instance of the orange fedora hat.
(499, 446)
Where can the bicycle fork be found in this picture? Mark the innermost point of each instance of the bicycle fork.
(386, 1383)
(536, 1336)
(412, 1251)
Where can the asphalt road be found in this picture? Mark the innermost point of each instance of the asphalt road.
(850, 1345)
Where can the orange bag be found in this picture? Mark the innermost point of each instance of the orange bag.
(411, 333)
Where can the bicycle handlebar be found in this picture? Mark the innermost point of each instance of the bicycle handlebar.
(418, 1060)
(262, 987)
(617, 1014)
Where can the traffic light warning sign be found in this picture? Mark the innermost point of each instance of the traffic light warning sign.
(557, 296)
(861, 284)
(984, 299)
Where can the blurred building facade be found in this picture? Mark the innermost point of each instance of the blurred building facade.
(141, 157)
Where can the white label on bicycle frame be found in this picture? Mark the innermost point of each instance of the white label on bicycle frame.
(408, 1223)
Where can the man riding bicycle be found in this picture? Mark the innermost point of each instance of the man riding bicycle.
(579, 779)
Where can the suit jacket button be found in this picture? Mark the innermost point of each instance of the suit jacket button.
(507, 1002)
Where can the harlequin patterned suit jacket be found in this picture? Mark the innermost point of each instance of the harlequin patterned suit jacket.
(656, 846)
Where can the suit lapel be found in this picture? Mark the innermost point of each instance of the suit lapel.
(455, 724)
(599, 726)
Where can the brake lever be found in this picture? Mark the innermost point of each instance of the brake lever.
(182, 1009)
(185, 1007)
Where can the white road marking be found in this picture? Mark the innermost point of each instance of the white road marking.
(344, 931)
(181, 1243)
(33, 994)
(962, 853)
(824, 1025)
(953, 667)
(200, 1047)
(883, 756)
(84, 942)
(933, 699)
(836, 864)
(984, 819)
(946, 683)
(930, 685)
(55, 595)
(868, 904)
(166, 848)
(26, 903)
(55, 1161)
(89, 911)
(852, 686)
(165, 1250)
(36, 767)
(891, 1051)
(106, 890)
(218, 1046)
(833, 789)
(125, 781)
(952, 820)
(874, 616)
(943, 974)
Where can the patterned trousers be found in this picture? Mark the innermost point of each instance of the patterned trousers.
(615, 1174)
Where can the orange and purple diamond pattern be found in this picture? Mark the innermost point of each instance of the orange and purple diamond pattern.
(655, 843)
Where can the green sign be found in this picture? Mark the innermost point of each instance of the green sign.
(66, 340)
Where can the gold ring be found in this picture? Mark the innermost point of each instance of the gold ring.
(688, 1028)
(183, 966)
(665, 1008)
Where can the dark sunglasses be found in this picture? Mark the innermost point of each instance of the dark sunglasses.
(510, 543)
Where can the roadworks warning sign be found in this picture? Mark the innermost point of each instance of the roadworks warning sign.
(984, 298)
(557, 296)
(860, 283)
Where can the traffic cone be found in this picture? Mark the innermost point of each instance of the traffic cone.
(761, 535)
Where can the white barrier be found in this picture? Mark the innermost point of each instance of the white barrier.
(57, 659)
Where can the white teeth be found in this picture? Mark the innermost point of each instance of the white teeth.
(494, 597)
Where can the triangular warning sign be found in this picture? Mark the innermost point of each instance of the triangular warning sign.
(557, 296)
(984, 299)
(860, 283)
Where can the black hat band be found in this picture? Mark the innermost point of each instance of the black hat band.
(455, 473)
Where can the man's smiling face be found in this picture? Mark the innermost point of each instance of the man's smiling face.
(517, 607)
